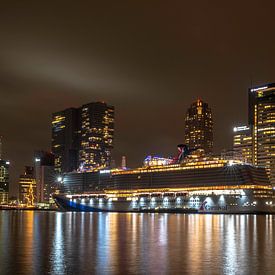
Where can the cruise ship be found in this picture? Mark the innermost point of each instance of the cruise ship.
(191, 183)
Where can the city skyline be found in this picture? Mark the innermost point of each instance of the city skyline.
(14, 179)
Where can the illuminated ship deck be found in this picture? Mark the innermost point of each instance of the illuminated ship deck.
(195, 183)
(203, 175)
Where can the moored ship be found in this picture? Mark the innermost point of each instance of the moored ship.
(192, 183)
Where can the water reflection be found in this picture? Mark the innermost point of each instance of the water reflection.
(110, 243)
(57, 257)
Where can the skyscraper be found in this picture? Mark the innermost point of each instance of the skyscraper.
(65, 139)
(262, 118)
(199, 127)
(97, 134)
(4, 181)
(242, 143)
(83, 137)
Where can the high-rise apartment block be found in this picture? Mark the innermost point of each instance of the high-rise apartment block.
(4, 181)
(242, 143)
(262, 118)
(82, 138)
(199, 127)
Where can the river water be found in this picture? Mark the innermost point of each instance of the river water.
(111, 243)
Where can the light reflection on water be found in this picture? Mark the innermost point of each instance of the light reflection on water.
(73, 243)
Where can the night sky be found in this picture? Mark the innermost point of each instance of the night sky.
(150, 59)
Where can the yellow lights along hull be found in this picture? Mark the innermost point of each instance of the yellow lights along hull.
(201, 201)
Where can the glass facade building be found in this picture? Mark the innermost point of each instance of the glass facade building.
(199, 127)
(82, 138)
(242, 144)
(97, 134)
(262, 118)
(65, 140)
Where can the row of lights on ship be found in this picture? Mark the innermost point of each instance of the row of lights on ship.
(135, 200)
(153, 200)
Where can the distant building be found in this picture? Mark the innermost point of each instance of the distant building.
(97, 134)
(199, 127)
(0, 147)
(27, 186)
(242, 144)
(123, 162)
(45, 175)
(262, 118)
(227, 154)
(65, 139)
(4, 181)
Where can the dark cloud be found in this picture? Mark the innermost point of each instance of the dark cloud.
(150, 59)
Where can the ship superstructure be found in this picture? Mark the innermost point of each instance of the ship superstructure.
(196, 183)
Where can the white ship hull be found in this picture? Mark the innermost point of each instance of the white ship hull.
(236, 204)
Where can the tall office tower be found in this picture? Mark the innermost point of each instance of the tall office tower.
(97, 133)
(4, 181)
(27, 186)
(199, 127)
(242, 143)
(65, 139)
(45, 176)
(262, 117)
